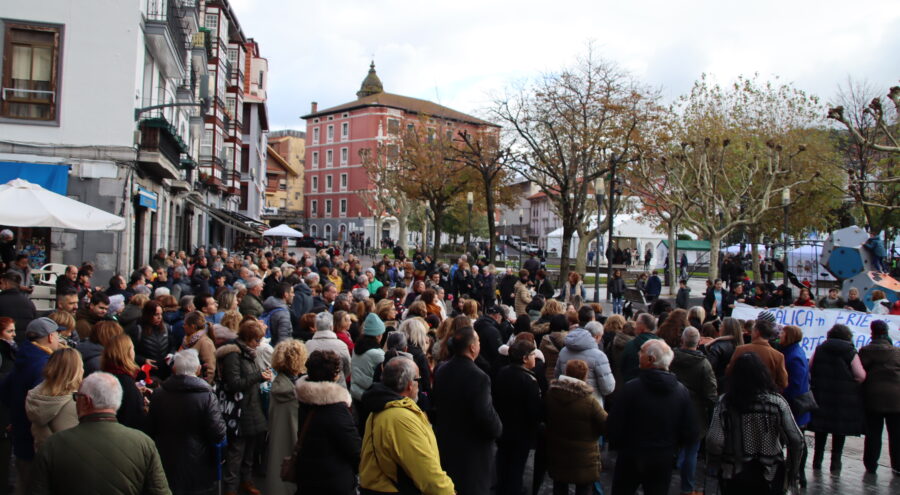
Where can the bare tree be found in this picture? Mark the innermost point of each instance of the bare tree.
(385, 174)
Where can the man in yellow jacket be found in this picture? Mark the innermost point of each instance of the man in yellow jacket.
(399, 451)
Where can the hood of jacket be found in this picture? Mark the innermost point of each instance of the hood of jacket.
(302, 289)
(232, 347)
(658, 381)
(273, 302)
(43, 408)
(321, 393)
(378, 396)
(567, 389)
(89, 350)
(580, 340)
(184, 384)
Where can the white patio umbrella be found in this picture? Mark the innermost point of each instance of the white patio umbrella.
(23, 204)
(282, 231)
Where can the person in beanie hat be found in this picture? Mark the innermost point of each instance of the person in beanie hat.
(42, 339)
(367, 357)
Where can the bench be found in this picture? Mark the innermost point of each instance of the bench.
(636, 298)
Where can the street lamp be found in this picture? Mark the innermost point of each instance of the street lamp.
(470, 198)
(521, 234)
(785, 201)
(599, 188)
(615, 190)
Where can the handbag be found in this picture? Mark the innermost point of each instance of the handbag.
(289, 463)
(803, 403)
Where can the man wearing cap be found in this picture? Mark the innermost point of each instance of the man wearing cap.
(15, 304)
(41, 340)
(488, 329)
(763, 331)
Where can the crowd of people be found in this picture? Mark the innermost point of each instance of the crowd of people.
(318, 375)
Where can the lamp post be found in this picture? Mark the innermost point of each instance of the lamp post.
(785, 201)
(599, 188)
(615, 189)
(521, 234)
(469, 200)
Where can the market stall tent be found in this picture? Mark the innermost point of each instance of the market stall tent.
(625, 226)
(23, 204)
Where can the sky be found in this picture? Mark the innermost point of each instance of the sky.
(462, 53)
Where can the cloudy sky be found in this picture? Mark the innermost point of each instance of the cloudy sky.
(459, 53)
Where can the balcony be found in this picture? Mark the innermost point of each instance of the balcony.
(165, 32)
(162, 150)
(201, 46)
(232, 182)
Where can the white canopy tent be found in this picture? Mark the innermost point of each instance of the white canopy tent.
(736, 249)
(282, 230)
(23, 204)
(804, 262)
(625, 226)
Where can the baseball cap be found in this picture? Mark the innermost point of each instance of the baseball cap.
(40, 328)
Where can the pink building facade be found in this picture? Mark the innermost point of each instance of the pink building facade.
(334, 138)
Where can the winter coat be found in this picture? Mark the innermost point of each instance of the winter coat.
(719, 353)
(575, 421)
(326, 340)
(399, 439)
(517, 399)
(251, 305)
(567, 292)
(771, 358)
(27, 374)
(49, 414)
(90, 355)
(280, 327)
(617, 287)
(580, 344)
(615, 357)
(798, 378)
(206, 350)
(467, 424)
(551, 344)
(185, 420)
(628, 359)
(329, 456)
(128, 319)
(881, 389)
(838, 395)
(363, 374)
(654, 286)
(239, 373)
(522, 297)
(302, 302)
(98, 457)
(636, 427)
(489, 335)
(16, 305)
(544, 287)
(710, 300)
(283, 411)
(131, 413)
(682, 299)
(507, 288)
(154, 345)
(695, 373)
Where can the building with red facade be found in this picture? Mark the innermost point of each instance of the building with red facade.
(333, 168)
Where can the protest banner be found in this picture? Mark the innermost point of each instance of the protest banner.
(815, 323)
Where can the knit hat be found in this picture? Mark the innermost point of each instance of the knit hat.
(373, 326)
(40, 328)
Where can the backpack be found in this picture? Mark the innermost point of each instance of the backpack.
(267, 319)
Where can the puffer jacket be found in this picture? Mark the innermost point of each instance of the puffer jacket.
(302, 302)
(575, 420)
(280, 321)
(581, 345)
(251, 305)
(363, 366)
(881, 389)
(186, 422)
(49, 414)
(238, 373)
(719, 353)
(153, 345)
(398, 435)
(26, 374)
(90, 355)
(695, 373)
(522, 297)
(551, 345)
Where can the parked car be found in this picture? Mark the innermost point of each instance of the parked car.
(312, 242)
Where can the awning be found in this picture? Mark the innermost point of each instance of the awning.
(51, 177)
(223, 217)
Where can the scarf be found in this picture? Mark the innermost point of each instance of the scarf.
(190, 340)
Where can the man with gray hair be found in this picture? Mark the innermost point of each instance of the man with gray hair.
(694, 372)
(252, 304)
(326, 340)
(186, 421)
(99, 455)
(647, 439)
(399, 447)
(644, 330)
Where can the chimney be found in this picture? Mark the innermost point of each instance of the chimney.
(315, 107)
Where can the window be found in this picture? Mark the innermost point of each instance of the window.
(345, 130)
(282, 184)
(343, 207)
(315, 159)
(327, 207)
(328, 232)
(410, 128)
(329, 158)
(314, 208)
(233, 55)
(206, 143)
(345, 154)
(330, 135)
(345, 115)
(393, 127)
(212, 23)
(30, 72)
(260, 80)
(284, 203)
(315, 135)
(314, 187)
(230, 106)
(328, 183)
(296, 196)
(314, 229)
(343, 182)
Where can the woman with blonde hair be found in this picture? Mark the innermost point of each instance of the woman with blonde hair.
(227, 329)
(50, 406)
(197, 337)
(342, 322)
(118, 360)
(542, 326)
(387, 311)
(470, 309)
(66, 323)
(289, 362)
(416, 331)
(696, 316)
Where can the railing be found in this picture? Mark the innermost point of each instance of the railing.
(170, 13)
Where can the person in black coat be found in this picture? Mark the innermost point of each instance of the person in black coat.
(467, 424)
(517, 398)
(186, 423)
(717, 307)
(543, 286)
(152, 340)
(488, 329)
(507, 288)
(330, 444)
(15, 304)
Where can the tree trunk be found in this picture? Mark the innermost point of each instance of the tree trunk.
(673, 251)
(568, 231)
(584, 241)
(714, 242)
(492, 227)
(438, 217)
(403, 225)
(757, 274)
